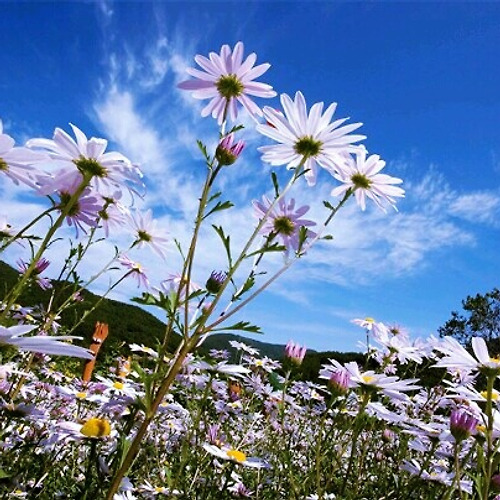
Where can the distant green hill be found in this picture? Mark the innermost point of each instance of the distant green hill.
(131, 324)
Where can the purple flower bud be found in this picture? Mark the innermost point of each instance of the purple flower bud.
(462, 424)
(388, 435)
(295, 353)
(339, 382)
(227, 152)
(215, 282)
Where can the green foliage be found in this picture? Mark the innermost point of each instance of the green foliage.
(481, 318)
(127, 323)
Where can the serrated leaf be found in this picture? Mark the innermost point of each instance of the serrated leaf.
(226, 241)
(203, 149)
(218, 207)
(244, 326)
(273, 247)
(235, 129)
(213, 197)
(249, 283)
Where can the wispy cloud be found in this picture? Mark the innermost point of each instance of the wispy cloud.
(367, 246)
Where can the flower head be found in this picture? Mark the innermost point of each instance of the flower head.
(82, 212)
(87, 157)
(295, 353)
(215, 282)
(16, 162)
(40, 266)
(462, 424)
(361, 176)
(44, 344)
(145, 232)
(234, 455)
(339, 382)
(96, 428)
(227, 80)
(456, 357)
(308, 139)
(227, 152)
(136, 270)
(284, 221)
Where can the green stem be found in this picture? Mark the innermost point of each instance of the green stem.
(355, 434)
(489, 435)
(174, 369)
(25, 228)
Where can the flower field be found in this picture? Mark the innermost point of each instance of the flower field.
(170, 423)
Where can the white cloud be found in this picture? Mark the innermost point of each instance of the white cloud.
(481, 207)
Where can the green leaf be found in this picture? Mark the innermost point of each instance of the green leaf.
(302, 238)
(328, 205)
(203, 149)
(218, 207)
(226, 241)
(235, 129)
(213, 197)
(273, 247)
(274, 178)
(275, 382)
(244, 326)
(249, 283)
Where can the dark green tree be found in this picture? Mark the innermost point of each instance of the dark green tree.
(481, 318)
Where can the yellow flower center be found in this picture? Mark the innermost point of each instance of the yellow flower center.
(81, 395)
(368, 379)
(96, 427)
(494, 395)
(236, 455)
(481, 428)
(495, 360)
(118, 385)
(160, 489)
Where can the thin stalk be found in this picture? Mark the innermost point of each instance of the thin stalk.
(489, 435)
(25, 228)
(273, 278)
(355, 434)
(174, 369)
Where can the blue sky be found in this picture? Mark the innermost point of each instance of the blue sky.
(422, 77)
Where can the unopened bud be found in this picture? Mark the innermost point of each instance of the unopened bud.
(227, 152)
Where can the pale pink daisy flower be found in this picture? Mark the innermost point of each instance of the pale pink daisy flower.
(361, 176)
(309, 139)
(44, 344)
(233, 455)
(88, 157)
(135, 269)
(227, 80)
(83, 212)
(284, 221)
(456, 357)
(391, 386)
(40, 266)
(145, 232)
(112, 213)
(16, 162)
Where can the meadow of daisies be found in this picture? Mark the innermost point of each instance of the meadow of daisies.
(156, 423)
